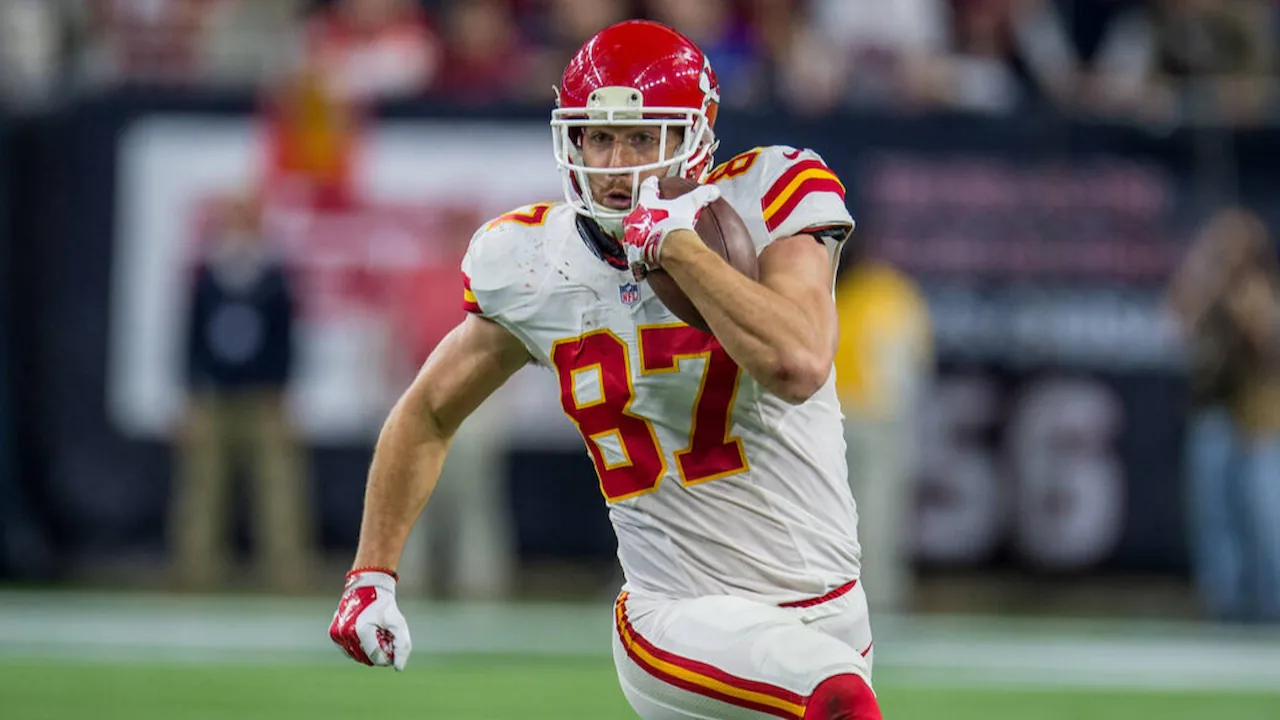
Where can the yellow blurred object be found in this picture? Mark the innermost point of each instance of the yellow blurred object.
(316, 130)
(312, 142)
(883, 364)
(886, 345)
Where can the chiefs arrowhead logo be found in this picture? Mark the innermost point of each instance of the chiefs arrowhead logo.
(710, 92)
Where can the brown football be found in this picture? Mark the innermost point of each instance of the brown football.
(722, 230)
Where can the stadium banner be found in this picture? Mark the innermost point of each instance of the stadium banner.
(377, 275)
(1051, 437)
(1054, 433)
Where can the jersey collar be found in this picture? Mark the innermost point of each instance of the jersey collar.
(601, 243)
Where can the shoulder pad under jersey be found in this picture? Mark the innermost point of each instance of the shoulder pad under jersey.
(504, 264)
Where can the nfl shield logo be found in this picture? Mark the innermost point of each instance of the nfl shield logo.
(629, 293)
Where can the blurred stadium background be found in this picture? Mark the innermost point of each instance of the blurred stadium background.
(1027, 175)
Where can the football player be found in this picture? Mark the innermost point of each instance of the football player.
(720, 456)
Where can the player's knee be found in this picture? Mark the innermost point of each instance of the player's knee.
(842, 697)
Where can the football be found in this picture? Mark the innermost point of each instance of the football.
(722, 230)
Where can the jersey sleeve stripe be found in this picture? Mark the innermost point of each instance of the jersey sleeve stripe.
(703, 679)
(469, 302)
(787, 180)
(810, 182)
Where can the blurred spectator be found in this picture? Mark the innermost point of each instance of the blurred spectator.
(774, 23)
(978, 74)
(30, 52)
(735, 50)
(864, 52)
(1059, 41)
(250, 41)
(367, 50)
(1227, 297)
(312, 141)
(143, 40)
(486, 60)
(1155, 62)
(1221, 52)
(883, 365)
(240, 348)
(563, 27)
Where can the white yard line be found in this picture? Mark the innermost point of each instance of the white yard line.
(962, 652)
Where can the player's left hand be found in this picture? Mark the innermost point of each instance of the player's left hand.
(656, 217)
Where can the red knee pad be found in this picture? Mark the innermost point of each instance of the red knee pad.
(842, 697)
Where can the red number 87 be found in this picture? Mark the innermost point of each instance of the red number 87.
(711, 453)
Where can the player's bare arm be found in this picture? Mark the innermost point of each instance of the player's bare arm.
(476, 358)
(473, 361)
(782, 329)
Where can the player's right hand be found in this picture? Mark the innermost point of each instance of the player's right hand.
(367, 625)
(654, 217)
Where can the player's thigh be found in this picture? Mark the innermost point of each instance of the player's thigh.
(722, 657)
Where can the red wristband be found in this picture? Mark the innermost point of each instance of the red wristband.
(370, 568)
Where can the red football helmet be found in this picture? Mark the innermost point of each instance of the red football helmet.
(635, 73)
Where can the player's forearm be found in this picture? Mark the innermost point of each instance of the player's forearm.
(406, 465)
(766, 333)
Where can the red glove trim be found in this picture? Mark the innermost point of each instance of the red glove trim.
(371, 568)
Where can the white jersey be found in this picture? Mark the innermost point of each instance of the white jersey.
(714, 485)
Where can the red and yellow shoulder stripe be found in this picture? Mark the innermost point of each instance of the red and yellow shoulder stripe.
(703, 679)
(530, 215)
(798, 182)
(469, 298)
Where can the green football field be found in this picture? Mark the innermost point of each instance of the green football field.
(75, 656)
(502, 688)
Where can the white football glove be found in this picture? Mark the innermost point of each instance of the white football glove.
(654, 217)
(367, 625)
